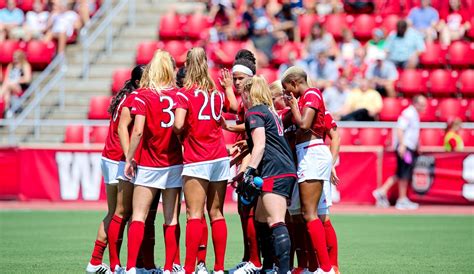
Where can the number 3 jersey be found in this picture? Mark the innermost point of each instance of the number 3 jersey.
(277, 158)
(203, 139)
(160, 146)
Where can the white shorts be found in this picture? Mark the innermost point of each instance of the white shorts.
(213, 171)
(325, 202)
(109, 170)
(161, 178)
(121, 172)
(314, 161)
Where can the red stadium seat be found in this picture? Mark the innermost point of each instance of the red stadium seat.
(145, 52)
(390, 23)
(2, 108)
(431, 137)
(442, 82)
(451, 108)
(269, 74)
(281, 52)
(412, 82)
(466, 83)
(433, 56)
(26, 5)
(467, 136)
(373, 136)
(98, 107)
(99, 134)
(363, 26)
(74, 134)
(392, 107)
(470, 111)
(3, 3)
(335, 23)
(177, 49)
(226, 52)
(7, 48)
(470, 33)
(305, 23)
(40, 53)
(430, 112)
(197, 27)
(171, 26)
(348, 135)
(460, 54)
(119, 78)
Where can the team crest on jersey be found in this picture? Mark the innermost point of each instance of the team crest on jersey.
(423, 174)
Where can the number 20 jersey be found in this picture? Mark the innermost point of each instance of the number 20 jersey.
(160, 146)
(202, 137)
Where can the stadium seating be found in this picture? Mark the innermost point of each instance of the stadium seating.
(281, 52)
(2, 108)
(363, 26)
(98, 107)
(119, 78)
(470, 33)
(466, 83)
(348, 135)
(412, 82)
(226, 52)
(389, 23)
(26, 5)
(197, 27)
(431, 137)
(470, 111)
(374, 137)
(392, 107)
(177, 49)
(145, 51)
(433, 56)
(40, 53)
(269, 74)
(429, 115)
(305, 23)
(335, 23)
(460, 54)
(74, 134)
(442, 82)
(467, 136)
(451, 108)
(171, 26)
(7, 48)
(99, 134)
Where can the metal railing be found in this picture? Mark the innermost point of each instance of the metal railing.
(89, 36)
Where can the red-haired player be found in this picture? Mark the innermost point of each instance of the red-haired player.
(112, 169)
(160, 164)
(206, 163)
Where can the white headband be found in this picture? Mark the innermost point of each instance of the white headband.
(243, 69)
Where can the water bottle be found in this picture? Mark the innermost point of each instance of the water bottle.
(252, 192)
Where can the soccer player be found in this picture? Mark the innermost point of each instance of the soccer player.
(271, 159)
(111, 170)
(160, 164)
(206, 163)
(314, 158)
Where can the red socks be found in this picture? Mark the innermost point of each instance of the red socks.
(114, 234)
(202, 251)
(318, 239)
(177, 234)
(193, 238)
(171, 245)
(135, 238)
(252, 241)
(98, 252)
(331, 242)
(219, 239)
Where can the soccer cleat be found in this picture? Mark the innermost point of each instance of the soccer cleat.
(239, 265)
(166, 272)
(177, 269)
(406, 204)
(132, 270)
(248, 268)
(320, 271)
(102, 269)
(218, 272)
(381, 199)
(120, 270)
(140, 271)
(201, 268)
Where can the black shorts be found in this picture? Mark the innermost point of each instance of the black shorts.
(279, 185)
(404, 168)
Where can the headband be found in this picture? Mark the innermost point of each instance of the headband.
(243, 69)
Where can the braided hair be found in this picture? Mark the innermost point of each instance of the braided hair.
(129, 86)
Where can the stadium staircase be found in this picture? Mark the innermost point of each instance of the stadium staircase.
(79, 90)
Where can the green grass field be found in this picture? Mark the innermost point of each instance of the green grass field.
(61, 242)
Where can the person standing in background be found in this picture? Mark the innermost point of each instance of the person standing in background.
(407, 137)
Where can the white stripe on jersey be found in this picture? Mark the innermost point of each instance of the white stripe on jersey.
(313, 92)
(182, 95)
(140, 100)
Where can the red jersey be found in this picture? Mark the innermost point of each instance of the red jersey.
(329, 123)
(203, 138)
(113, 149)
(160, 146)
(313, 98)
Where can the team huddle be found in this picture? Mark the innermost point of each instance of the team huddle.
(166, 137)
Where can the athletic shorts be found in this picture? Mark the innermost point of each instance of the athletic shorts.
(121, 172)
(281, 185)
(406, 166)
(212, 171)
(314, 161)
(109, 170)
(159, 177)
(324, 203)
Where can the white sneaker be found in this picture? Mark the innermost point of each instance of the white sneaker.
(406, 204)
(380, 199)
(177, 269)
(218, 272)
(166, 272)
(132, 270)
(320, 271)
(201, 268)
(237, 266)
(102, 268)
(119, 270)
(248, 268)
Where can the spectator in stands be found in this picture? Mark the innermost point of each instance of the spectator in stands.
(262, 37)
(407, 133)
(454, 24)
(17, 78)
(359, 6)
(424, 19)
(325, 7)
(362, 104)
(452, 140)
(35, 24)
(223, 18)
(375, 46)
(62, 24)
(320, 41)
(335, 96)
(86, 8)
(292, 60)
(11, 19)
(404, 46)
(382, 74)
(323, 72)
(348, 47)
(286, 24)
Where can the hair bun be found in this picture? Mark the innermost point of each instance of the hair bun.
(246, 54)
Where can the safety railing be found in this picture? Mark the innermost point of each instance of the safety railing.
(88, 36)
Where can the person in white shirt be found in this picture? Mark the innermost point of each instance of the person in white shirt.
(35, 24)
(62, 24)
(408, 132)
